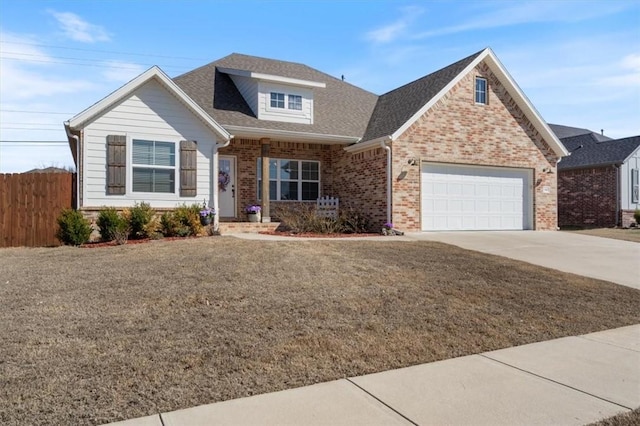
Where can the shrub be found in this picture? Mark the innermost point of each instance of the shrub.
(354, 221)
(112, 225)
(73, 228)
(636, 216)
(182, 222)
(302, 217)
(141, 221)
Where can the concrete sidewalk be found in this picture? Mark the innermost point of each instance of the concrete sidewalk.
(568, 381)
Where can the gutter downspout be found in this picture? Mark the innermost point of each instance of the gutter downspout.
(215, 192)
(388, 149)
(77, 138)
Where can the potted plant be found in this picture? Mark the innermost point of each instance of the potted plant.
(206, 216)
(253, 212)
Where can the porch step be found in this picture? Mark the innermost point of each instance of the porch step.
(246, 227)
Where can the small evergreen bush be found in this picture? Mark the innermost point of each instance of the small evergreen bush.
(112, 225)
(141, 221)
(184, 221)
(73, 228)
(636, 216)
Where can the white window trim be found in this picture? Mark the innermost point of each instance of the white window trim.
(486, 91)
(130, 167)
(278, 180)
(285, 111)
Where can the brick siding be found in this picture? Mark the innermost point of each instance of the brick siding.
(587, 197)
(456, 130)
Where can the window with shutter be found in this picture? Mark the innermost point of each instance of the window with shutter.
(116, 164)
(153, 166)
(188, 168)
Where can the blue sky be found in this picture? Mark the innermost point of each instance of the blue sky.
(577, 61)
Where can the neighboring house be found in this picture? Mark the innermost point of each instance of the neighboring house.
(50, 169)
(598, 182)
(461, 148)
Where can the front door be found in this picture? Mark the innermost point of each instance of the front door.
(227, 186)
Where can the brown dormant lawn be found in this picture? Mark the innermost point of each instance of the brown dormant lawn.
(97, 335)
(631, 234)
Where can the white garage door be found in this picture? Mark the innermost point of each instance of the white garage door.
(475, 198)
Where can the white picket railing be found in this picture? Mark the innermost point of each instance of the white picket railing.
(327, 207)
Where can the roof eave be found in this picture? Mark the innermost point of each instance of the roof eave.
(289, 135)
(366, 145)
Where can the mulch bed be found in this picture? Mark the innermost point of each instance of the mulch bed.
(314, 235)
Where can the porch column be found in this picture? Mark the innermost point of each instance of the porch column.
(265, 145)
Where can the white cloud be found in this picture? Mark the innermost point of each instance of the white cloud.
(523, 12)
(76, 28)
(396, 29)
(627, 73)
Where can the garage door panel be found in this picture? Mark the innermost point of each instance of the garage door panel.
(473, 198)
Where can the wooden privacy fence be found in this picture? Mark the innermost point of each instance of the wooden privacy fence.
(29, 207)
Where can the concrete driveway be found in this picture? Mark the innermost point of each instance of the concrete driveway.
(603, 258)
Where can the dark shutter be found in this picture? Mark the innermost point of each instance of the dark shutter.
(116, 164)
(188, 168)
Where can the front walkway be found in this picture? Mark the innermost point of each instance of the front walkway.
(568, 381)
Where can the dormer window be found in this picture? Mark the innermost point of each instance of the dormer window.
(277, 100)
(295, 102)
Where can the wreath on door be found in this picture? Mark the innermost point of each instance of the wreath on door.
(223, 180)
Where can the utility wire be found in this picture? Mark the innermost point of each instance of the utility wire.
(36, 112)
(102, 51)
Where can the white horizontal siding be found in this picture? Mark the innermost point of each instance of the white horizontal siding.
(625, 181)
(151, 112)
(248, 88)
(265, 112)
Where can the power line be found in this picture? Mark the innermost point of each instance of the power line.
(102, 51)
(36, 112)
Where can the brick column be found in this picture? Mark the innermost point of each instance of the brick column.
(266, 214)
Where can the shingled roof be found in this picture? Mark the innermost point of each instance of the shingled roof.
(340, 108)
(396, 107)
(587, 151)
(563, 132)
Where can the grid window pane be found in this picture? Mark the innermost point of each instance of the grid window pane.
(295, 102)
(273, 190)
(288, 190)
(142, 152)
(310, 171)
(277, 100)
(153, 180)
(288, 169)
(163, 180)
(165, 154)
(310, 191)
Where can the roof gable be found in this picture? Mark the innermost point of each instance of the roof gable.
(153, 73)
(398, 106)
(587, 151)
(384, 122)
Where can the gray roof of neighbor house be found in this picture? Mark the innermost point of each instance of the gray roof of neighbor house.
(396, 107)
(339, 109)
(587, 151)
(569, 132)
